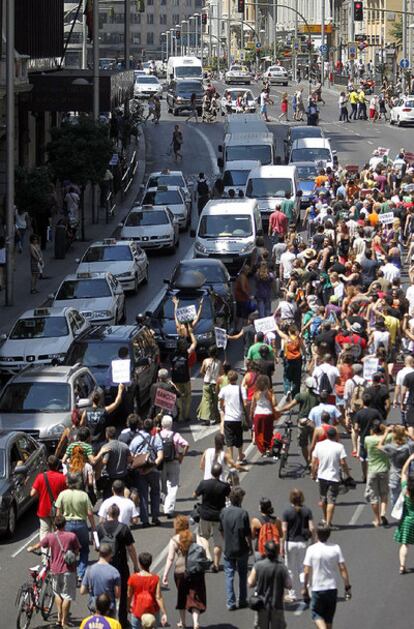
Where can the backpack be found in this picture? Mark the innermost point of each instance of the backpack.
(111, 540)
(168, 447)
(356, 397)
(325, 383)
(179, 369)
(202, 189)
(268, 532)
(356, 348)
(196, 561)
(315, 326)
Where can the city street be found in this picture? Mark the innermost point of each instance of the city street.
(380, 594)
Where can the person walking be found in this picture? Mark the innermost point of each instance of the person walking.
(193, 107)
(235, 526)
(264, 100)
(398, 450)
(74, 504)
(22, 222)
(181, 376)
(376, 491)
(102, 578)
(211, 369)
(292, 358)
(264, 282)
(144, 594)
(343, 107)
(217, 454)
(97, 418)
(113, 531)
(115, 457)
(37, 263)
(64, 547)
(232, 409)
(404, 535)
(321, 563)
(128, 513)
(265, 517)
(191, 588)
(175, 447)
(101, 616)
(203, 192)
(46, 488)
(263, 414)
(353, 99)
(177, 142)
(284, 106)
(270, 578)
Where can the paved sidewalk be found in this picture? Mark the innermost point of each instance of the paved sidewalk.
(55, 270)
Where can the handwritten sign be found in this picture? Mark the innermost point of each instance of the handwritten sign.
(121, 371)
(265, 325)
(383, 151)
(387, 218)
(165, 399)
(187, 314)
(370, 367)
(221, 337)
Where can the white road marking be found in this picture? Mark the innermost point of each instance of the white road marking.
(29, 541)
(156, 300)
(210, 148)
(369, 142)
(356, 515)
(200, 432)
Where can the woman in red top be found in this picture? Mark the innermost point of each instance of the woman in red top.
(284, 104)
(345, 373)
(144, 593)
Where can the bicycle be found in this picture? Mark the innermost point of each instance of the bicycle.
(36, 595)
(281, 442)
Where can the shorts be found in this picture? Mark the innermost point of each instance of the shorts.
(323, 605)
(305, 434)
(207, 529)
(328, 490)
(377, 487)
(233, 434)
(392, 354)
(64, 585)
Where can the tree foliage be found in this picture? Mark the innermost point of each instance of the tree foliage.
(80, 151)
(32, 189)
(396, 32)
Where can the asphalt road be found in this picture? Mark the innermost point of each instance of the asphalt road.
(380, 596)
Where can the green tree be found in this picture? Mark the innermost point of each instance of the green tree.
(32, 189)
(396, 32)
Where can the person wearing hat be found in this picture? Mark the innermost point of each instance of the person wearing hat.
(165, 383)
(306, 399)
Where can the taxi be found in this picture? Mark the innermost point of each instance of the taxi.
(172, 198)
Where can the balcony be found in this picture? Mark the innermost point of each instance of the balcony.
(21, 79)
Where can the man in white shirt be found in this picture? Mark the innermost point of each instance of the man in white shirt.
(327, 459)
(175, 448)
(286, 263)
(315, 414)
(232, 407)
(410, 296)
(128, 513)
(408, 368)
(332, 373)
(390, 271)
(321, 563)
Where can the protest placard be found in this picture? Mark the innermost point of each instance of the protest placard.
(387, 218)
(186, 314)
(265, 325)
(121, 371)
(165, 399)
(370, 367)
(221, 337)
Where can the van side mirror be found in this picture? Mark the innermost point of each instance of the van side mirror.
(220, 162)
(192, 233)
(220, 148)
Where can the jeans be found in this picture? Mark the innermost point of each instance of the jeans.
(170, 478)
(343, 114)
(80, 528)
(231, 566)
(148, 484)
(354, 110)
(264, 307)
(295, 554)
(292, 375)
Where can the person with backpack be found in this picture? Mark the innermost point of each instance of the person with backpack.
(298, 529)
(265, 527)
(363, 419)
(175, 447)
(203, 192)
(165, 383)
(46, 488)
(235, 526)
(115, 457)
(118, 535)
(129, 513)
(102, 578)
(315, 414)
(293, 348)
(79, 465)
(354, 388)
(144, 593)
(96, 418)
(326, 376)
(190, 564)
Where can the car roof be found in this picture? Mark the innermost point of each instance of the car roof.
(167, 172)
(301, 143)
(110, 242)
(310, 132)
(276, 68)
(163, 188)
(307, 164)
(110, 333)
(269, 171)
(241, 164)
(93, 275)
(46, 373)
(222, 206)
(50, 311)
(240, 137)
(139, 209)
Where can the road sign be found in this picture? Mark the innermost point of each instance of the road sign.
(323, 49)
(352, 49)
(258, 44)
(404, 64)
(296, 44)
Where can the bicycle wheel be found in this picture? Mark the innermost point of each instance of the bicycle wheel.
(25, 609)
(47, 598)
(282, 463)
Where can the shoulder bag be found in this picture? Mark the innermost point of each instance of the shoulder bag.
(69, 556)
(142, 460)
(244, 419)
(53, 509)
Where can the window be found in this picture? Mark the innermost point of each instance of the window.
(136, 18)
(136, 38)
(176, 3)
(198, 3)
(150, 38)
(150, 3)
(150, 18)
(176, 18)
(189, 3)
(163, 18)
(163, 3)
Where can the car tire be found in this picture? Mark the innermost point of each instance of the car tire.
(136, 285)
(11, 520)
(398, 121)
(391, 121)
(146, 276)
(122, 318)
(175, 112)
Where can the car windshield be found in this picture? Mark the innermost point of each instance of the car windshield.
(39, 328)
(146, 79)
(226, 226)
(84, 289)
(244, 94)
(162, 197)
(307, 132)
(235, 177)
(276, 69)
(115, 253)
(212, 272)
(306, 172)
(262, 153)
(206, 310)
(93, 354)
(408, 103)
(236, 69)
(32, 397)
(143, 219)
(260, 188)
(166, 180)
(188, 88)
(188, 72)
(311, 155)
(2, 464)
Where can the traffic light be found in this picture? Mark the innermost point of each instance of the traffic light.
(240, 6)
(204, 19)
(358, 12)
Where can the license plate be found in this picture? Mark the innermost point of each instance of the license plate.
(228, 260)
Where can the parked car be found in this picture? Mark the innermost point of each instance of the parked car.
(172, 198)
(151, 228)
(123, 258)
(98, 347)
(40, 336)
(21, 460)
(179, 95)
(277, 74)
(403, 111)
(229, 98)
(237, 74)
(146, 86)
(40, 400)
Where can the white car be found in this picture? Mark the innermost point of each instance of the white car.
(151, 228)
(403, 111)
(138, 73)
(146, 86)
(172, 198)
(229, 98)
(277, 74)
(238, 75)
(168, 177)
(123, 258)
(317, 150)
(40, 336)
(99, 297)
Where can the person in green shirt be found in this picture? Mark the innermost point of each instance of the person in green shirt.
(288, 206)
(376, 491)
(307, 399)
(254, 350)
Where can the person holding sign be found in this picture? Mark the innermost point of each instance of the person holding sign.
(97, 418)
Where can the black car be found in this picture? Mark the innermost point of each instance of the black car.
(179, 95)
(299, 133)
(21, 459)
(216, 277)
(98, 347)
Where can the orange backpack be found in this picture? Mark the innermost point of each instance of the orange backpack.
(269, 531)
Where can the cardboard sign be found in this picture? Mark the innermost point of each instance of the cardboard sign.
(121, 371)
(387, 218)
(165, 399)
(267, 324)
(383, 151)
(187, 314)
(221, 337)
(370, 367)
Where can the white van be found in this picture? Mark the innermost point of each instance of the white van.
(269, 184)
(251, 146)
(227, 230)
(244, 123)
(184, 68)
(236, 173)
(313, 150)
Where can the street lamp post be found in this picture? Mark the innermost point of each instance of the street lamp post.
(178, 30)
(197, 38)
(10, 71)
(185, 41)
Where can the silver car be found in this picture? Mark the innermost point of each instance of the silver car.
(237, 74)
